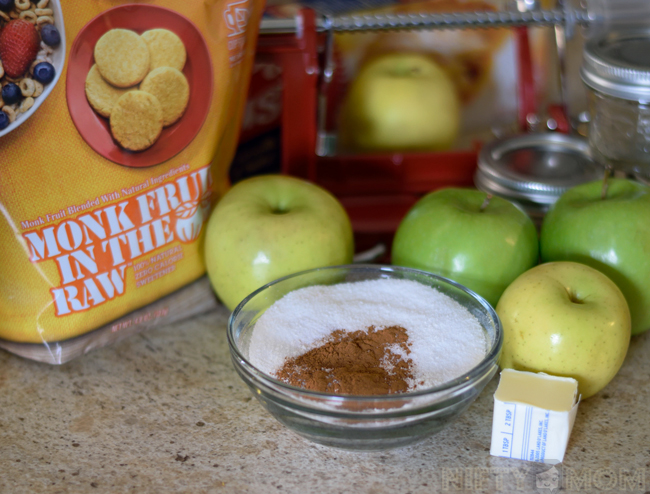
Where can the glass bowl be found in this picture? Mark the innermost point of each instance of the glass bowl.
(363, 422)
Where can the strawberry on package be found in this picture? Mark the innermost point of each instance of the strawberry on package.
(19, 44)
(118, 122)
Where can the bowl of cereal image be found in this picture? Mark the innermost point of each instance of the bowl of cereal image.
(365, 357)
(139, 84)
(29, 89)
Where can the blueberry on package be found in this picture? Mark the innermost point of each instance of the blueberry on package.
(118, 122)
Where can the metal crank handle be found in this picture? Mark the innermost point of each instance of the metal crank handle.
(392, 22)
(597, 16)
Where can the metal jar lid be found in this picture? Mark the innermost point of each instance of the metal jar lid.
(536, 168)
(618, 64)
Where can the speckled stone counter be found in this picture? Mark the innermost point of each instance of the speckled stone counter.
(164, 411)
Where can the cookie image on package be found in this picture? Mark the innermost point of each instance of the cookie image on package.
(136, 120)
(122, 57)
(165, 49)
(148, 65)
(172, 90)
(101, 95)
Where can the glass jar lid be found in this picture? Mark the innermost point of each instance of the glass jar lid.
(535, 167)
(618, 64)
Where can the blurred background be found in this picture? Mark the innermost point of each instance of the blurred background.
(285, 130)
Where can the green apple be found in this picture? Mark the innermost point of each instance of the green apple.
(400, 102)
(452, 232)
(610, 234)
(565, 319)
(270, 226)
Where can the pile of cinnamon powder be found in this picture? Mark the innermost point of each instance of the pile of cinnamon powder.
(357, 363)
(370, 337)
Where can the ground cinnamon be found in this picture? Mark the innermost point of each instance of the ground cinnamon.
(358, 363)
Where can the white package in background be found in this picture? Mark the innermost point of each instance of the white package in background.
(533, 416)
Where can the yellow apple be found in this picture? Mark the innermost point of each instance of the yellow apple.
(565, 319)
(270, 226)
(400, 102)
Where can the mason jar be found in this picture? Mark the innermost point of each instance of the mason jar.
(616, 71)
(534, 170)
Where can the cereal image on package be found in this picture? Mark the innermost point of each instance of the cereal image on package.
(30, 40)
(124, 60)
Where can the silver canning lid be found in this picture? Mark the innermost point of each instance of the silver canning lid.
(535, 167)
(618, 64)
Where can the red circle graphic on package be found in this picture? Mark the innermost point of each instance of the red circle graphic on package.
(154, 146)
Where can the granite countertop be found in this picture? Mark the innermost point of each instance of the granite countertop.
(164, 411)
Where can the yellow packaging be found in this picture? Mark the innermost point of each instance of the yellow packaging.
(103, 201)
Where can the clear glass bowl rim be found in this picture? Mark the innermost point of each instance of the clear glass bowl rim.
(480, 370)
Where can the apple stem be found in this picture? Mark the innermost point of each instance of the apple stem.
(573, 297)
(603, 190)
(486, 203)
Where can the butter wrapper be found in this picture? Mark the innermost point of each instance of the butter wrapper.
(533, 416)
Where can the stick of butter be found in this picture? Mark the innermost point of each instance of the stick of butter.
(533, 416)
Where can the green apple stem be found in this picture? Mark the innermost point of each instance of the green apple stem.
(608, 173)
(486, 203)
